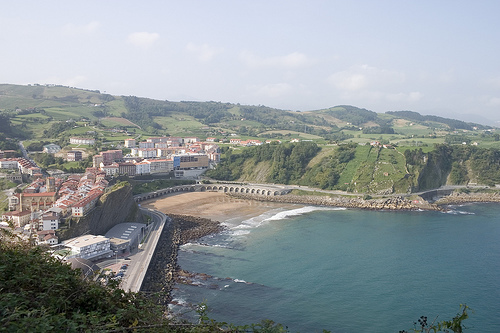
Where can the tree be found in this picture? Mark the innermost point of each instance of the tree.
(455, 324)
(42, 293)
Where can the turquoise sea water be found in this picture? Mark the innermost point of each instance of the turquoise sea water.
(350, 270)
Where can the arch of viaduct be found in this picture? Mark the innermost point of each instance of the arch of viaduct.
(224, 188)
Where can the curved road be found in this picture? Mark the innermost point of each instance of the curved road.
(139, 261)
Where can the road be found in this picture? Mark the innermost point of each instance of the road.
(139, 261)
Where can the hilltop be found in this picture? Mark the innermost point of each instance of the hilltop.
(33, 109)
(347, 148)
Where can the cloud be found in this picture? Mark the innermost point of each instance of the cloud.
(143, 39)
(203, 52)
(272, 90)
(292, 60)
(75, 81)
(89, 28)
(410, 97)
(494, 101)
(348, 81)
(366, 77)
(373, 85)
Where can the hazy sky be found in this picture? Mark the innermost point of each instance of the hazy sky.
(433, 57)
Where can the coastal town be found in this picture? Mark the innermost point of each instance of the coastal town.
(49, 203)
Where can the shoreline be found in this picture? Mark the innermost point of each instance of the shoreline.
(194, 215)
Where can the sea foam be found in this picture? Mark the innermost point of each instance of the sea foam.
(299, 211)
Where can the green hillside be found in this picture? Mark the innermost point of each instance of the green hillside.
(345, 157)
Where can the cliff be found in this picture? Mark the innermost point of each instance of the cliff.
(115, 206)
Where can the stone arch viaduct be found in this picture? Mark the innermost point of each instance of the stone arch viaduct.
(262, 190)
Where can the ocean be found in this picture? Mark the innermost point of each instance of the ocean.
(348, 270)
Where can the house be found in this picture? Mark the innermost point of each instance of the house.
(111, 156)
(142, 168)
(83, 206)
(81, 141)
(126, 169)
(147, 144)
(111, 169)
(50, 220)
(235, 141)
(191, 140)
(147, 152)
(47, 237)
(74, 155)
(129, 143)
(18, 218)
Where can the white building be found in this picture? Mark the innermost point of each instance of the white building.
(50, 220)
(9, 164)
(19, 219)
(81, 141)
(129, 143)
(110, 170)
(191, 140)
(147, 152)
(47, 237)
(162, 165)
(142, 168)
(86, 204)
(146, 144)
(89, 247)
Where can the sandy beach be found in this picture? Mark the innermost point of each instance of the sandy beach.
(213, 205)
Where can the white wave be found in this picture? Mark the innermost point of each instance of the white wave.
(243, 228)
(240, 232)
(299, 211)
(239, 281)
(458, 212)
(180, 301)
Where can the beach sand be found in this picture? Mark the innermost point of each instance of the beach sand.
(213, 205)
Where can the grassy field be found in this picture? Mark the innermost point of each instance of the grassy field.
(347, 177)
(292, 134)
(181, 125)
(118, 122)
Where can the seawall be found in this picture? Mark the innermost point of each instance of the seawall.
(163, 270)
(461, 198)
(391, 203)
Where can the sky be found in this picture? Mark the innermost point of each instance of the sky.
(430, 56)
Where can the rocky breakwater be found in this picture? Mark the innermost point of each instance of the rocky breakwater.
(390, 203)
(462, 197)
(163, 272)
